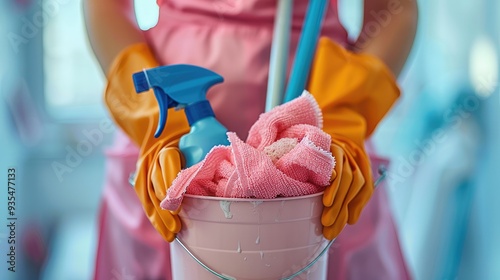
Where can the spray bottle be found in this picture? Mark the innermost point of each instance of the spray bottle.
(185, 86)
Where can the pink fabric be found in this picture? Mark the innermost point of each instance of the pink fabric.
(244, 170)
(128, 244)
(232, 38)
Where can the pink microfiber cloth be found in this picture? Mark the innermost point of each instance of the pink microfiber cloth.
(286, 154)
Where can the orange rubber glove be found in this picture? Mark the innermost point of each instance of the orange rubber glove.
(137, 115)
(354, 92)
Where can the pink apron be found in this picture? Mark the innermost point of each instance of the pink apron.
(232, 38)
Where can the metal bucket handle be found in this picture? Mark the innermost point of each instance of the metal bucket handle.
(231, 278)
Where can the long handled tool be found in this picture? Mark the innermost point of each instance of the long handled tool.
(304, 55)
(279, 54)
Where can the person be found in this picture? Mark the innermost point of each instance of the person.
(232, 38)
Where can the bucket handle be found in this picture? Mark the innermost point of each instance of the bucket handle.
(224, 277)
(382, 171)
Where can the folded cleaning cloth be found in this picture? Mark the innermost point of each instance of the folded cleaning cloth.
(286, 154)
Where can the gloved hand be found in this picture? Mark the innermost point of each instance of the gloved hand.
(137, 115)
(354, 92)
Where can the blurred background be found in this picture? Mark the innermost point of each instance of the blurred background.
(442, 138)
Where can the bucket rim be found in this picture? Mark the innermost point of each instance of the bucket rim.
(230, 199)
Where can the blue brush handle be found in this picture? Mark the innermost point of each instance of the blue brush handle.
(306, 48)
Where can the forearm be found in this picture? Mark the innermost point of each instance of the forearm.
(389, 28)
(111, 27)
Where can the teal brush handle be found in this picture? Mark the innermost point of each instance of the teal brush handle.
(306, 48)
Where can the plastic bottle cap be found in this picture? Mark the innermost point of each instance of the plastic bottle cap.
(198, 111)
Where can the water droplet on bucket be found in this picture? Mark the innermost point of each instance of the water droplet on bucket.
(268, 265)
(256, 203)
(261, 255)
(257, 241)
(225, 206)
(245, 258)
(239, 248)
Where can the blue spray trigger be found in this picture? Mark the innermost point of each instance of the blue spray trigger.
(141, 83)
(164, 103)
(178, 85)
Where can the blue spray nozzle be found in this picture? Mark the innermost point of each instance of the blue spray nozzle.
(140, 82)
(175, 85)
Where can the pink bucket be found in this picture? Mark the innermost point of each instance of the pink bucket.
(250, 239)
